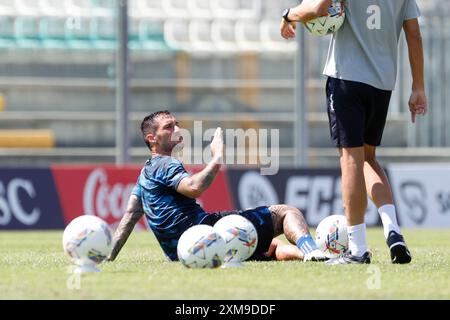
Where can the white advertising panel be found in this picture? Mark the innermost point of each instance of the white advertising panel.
(422, 194)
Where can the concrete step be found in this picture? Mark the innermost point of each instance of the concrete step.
(36, 94)
(98, 64)
(91, 129)
(317, 157)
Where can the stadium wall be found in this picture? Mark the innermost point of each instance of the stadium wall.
(49, 198)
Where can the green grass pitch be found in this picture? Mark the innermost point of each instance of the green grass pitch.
(34, 266)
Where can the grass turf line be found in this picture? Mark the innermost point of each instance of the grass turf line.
(34, 266)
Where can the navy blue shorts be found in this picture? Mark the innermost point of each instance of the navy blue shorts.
(261, 217)
(356, 112)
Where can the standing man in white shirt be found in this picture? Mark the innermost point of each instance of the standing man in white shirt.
(362, 67)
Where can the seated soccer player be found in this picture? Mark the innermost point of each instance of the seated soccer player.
(165, 192)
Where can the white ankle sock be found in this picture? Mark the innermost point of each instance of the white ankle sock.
(389, 219)
(357, 239)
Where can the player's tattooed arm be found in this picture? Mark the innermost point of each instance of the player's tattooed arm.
(132, 215)
(196, 184)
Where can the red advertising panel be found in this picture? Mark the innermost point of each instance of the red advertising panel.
(104, 191)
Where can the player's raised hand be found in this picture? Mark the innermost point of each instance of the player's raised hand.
(217, 144)
(418, 104)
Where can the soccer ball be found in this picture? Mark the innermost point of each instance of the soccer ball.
(201, 247)
(331, 236)
(331, 23)
(87, 240)
(240, 237)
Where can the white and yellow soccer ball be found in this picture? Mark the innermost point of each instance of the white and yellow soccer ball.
(331, 236)
(240, 238)
(87, 240)
(201, 246)
(330, 23)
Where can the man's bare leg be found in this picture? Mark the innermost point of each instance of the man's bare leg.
(380, 192)
(284, 252)
(354, 197)
(290, 221)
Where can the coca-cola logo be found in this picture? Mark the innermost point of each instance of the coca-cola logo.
(104, 199)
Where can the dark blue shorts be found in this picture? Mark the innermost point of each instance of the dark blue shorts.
(356, 112)
(261, 217)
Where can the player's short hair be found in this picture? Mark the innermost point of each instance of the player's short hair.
(149, 124)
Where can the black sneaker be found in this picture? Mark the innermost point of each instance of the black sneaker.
(348, 258)
(399, 250)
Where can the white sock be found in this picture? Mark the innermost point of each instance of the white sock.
(357, 239)
(389, 219)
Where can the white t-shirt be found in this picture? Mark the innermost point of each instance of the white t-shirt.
(365, 48)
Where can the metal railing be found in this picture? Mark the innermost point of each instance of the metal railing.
(430, 131)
